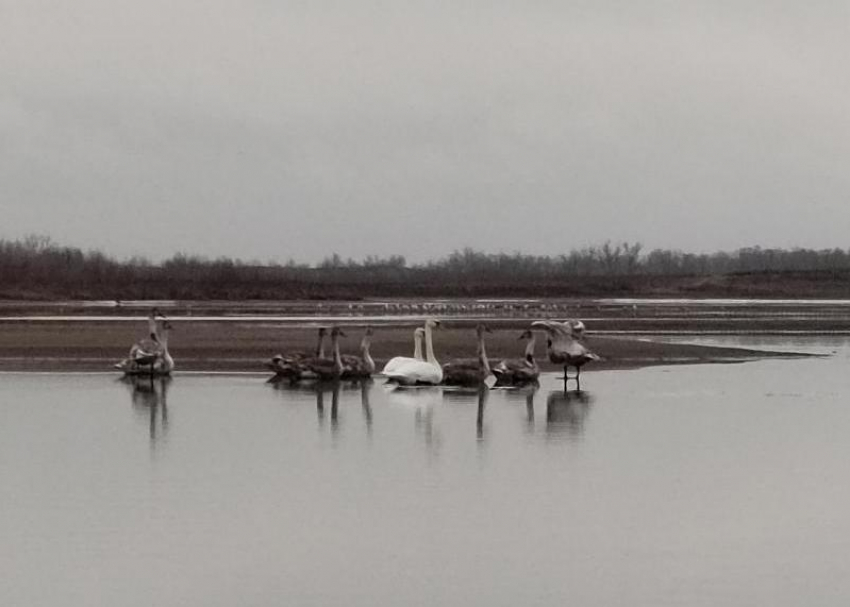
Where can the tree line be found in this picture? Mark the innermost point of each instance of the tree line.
(36, 267)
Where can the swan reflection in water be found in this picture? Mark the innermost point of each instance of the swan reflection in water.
(423, 401)
(321, 388)
(566, 413)
(466, 396)
(149, 397)
(524, 394)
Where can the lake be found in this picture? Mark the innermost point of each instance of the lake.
(687, 485)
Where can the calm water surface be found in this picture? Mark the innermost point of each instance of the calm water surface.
(698, 485)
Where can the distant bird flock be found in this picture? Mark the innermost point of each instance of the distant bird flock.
(564, 346)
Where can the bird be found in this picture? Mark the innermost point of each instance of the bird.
(412, 371)
(564, 346)
(322, 368)
(393, 363)
(144, 353)
(164, 364)
(357, 367)
(469, 371)
(519, 371)
(285, 365)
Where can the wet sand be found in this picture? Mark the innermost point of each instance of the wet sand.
(245, 346)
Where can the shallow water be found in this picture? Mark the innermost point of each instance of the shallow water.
(688, 485)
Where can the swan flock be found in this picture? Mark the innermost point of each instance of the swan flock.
(150, 356)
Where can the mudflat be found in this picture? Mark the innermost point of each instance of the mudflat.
(237, 346)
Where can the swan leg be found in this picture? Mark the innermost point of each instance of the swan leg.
(578, 384)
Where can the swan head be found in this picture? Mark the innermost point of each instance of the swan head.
(419, 332)
(323, 331)
(432, 323)
(155, 313)
(369, 331)
(337, 332)
(166, 326)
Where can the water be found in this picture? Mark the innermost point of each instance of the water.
(688, 485)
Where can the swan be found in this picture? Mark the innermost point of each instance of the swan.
(363, 365)
(322, 368)
(397, 361)
(144, 352)
(469, 371)
(164, 364)
(287, 364)
(518, 371)
(564, 346)
(412, 371)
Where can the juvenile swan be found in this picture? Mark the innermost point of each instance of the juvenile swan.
(519, 371)
(145, 352)
(466, 371)
(322, 368)
(286, 365)
(355, 367)
(564, 346)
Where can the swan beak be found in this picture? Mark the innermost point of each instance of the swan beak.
(487, 329)
(341, 333)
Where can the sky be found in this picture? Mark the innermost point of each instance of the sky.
(275, 129)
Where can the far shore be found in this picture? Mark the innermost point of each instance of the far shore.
(245, 346)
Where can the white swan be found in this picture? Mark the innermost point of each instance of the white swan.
(412, 371)
(564, 346)
(397, 361)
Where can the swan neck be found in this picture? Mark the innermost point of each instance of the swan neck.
(320, 347)
(365, 344)
(417, 346)
(529, 349)
(337, 357)
(429, 347)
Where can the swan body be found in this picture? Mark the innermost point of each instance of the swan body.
(145, 352)
(164, 364)
(519, 371)
(412, 371)
(322, 368)
(564, 346)
(286, 365)
(397, 361)
(467, 372)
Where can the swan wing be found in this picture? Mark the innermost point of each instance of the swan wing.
(395, 363)
(416, 372)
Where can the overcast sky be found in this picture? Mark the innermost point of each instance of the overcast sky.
(267, 129)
